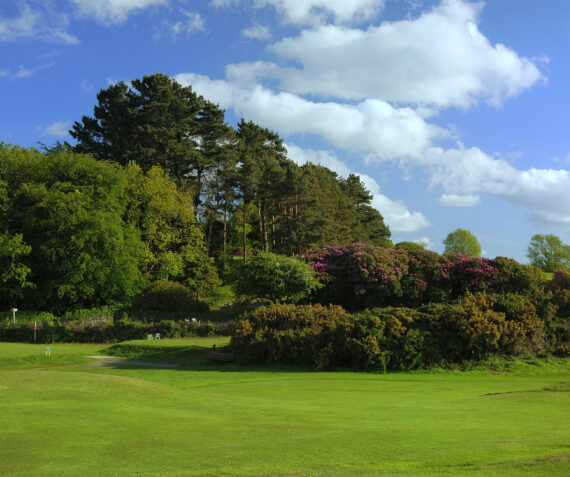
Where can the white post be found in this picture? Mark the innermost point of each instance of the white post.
(14, 310)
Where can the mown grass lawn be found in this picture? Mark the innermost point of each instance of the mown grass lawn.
(59, 416)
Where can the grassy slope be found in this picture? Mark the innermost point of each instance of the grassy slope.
(209, 419)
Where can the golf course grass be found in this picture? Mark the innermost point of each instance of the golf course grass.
(70, 415)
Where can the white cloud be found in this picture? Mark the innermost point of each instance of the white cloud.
(109, 12)
(470, 171)
(379, 131)
(57, 129)
(311, 12)
(320, 158)
(44, 24)
(192, 23)
(370, 126)
(456, 200)
(25, 72)
(439, 59)
(4, 73)
(257, 32)
(395, 214)
(303, 12)
(435, 61)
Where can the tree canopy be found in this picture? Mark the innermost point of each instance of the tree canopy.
(549, 253)
(77, 232)
(463, 242)
(155, 121)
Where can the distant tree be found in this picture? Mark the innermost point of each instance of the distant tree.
(462, 241)
(549, 253)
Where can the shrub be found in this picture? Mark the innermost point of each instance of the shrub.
(167, 296)
(303, 335)
(277, 278)
(360, 276)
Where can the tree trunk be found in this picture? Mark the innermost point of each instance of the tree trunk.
(244, 229)
(225, 225)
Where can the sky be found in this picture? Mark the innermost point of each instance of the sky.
(453, 112)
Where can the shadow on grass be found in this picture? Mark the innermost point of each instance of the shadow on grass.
(186, 358)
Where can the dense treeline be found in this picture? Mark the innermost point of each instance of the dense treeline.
(79, 233)
(156, 184)
(245, 190)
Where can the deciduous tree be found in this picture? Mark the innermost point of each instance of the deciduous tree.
(463, 242)
(549, 253)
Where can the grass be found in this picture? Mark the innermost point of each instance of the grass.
(223, 419)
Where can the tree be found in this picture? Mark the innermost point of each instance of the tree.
(549, 253)
(66, 234)
(163, 214)
(154, 121)
(463, 242)
(261, 156)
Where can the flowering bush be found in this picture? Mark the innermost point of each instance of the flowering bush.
(360, 276)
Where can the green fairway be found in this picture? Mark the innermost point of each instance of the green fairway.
(67, 417)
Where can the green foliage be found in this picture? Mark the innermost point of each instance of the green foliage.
(359, 276)
(398, 338)
(276, 277)
(165, 296)
(125, 329)
(303, 335)
(461, 241)
(549, 253)
(80, 233)
(157, 122)
(410, 246)
(66, 212)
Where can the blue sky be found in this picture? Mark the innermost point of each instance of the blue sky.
(453, 112)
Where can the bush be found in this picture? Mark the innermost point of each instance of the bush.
(360, 276)
(165, 296)
(304, 335)
(276, 277)
(122, 330)
(28, 316)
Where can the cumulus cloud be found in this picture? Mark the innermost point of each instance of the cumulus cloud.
(371, 92)
(464, 172)
(440, 58)
(382, 132)
(397, 216)
(370, 126)
(310, 12)
(113, 12)
(320, 158)
(40, 24)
